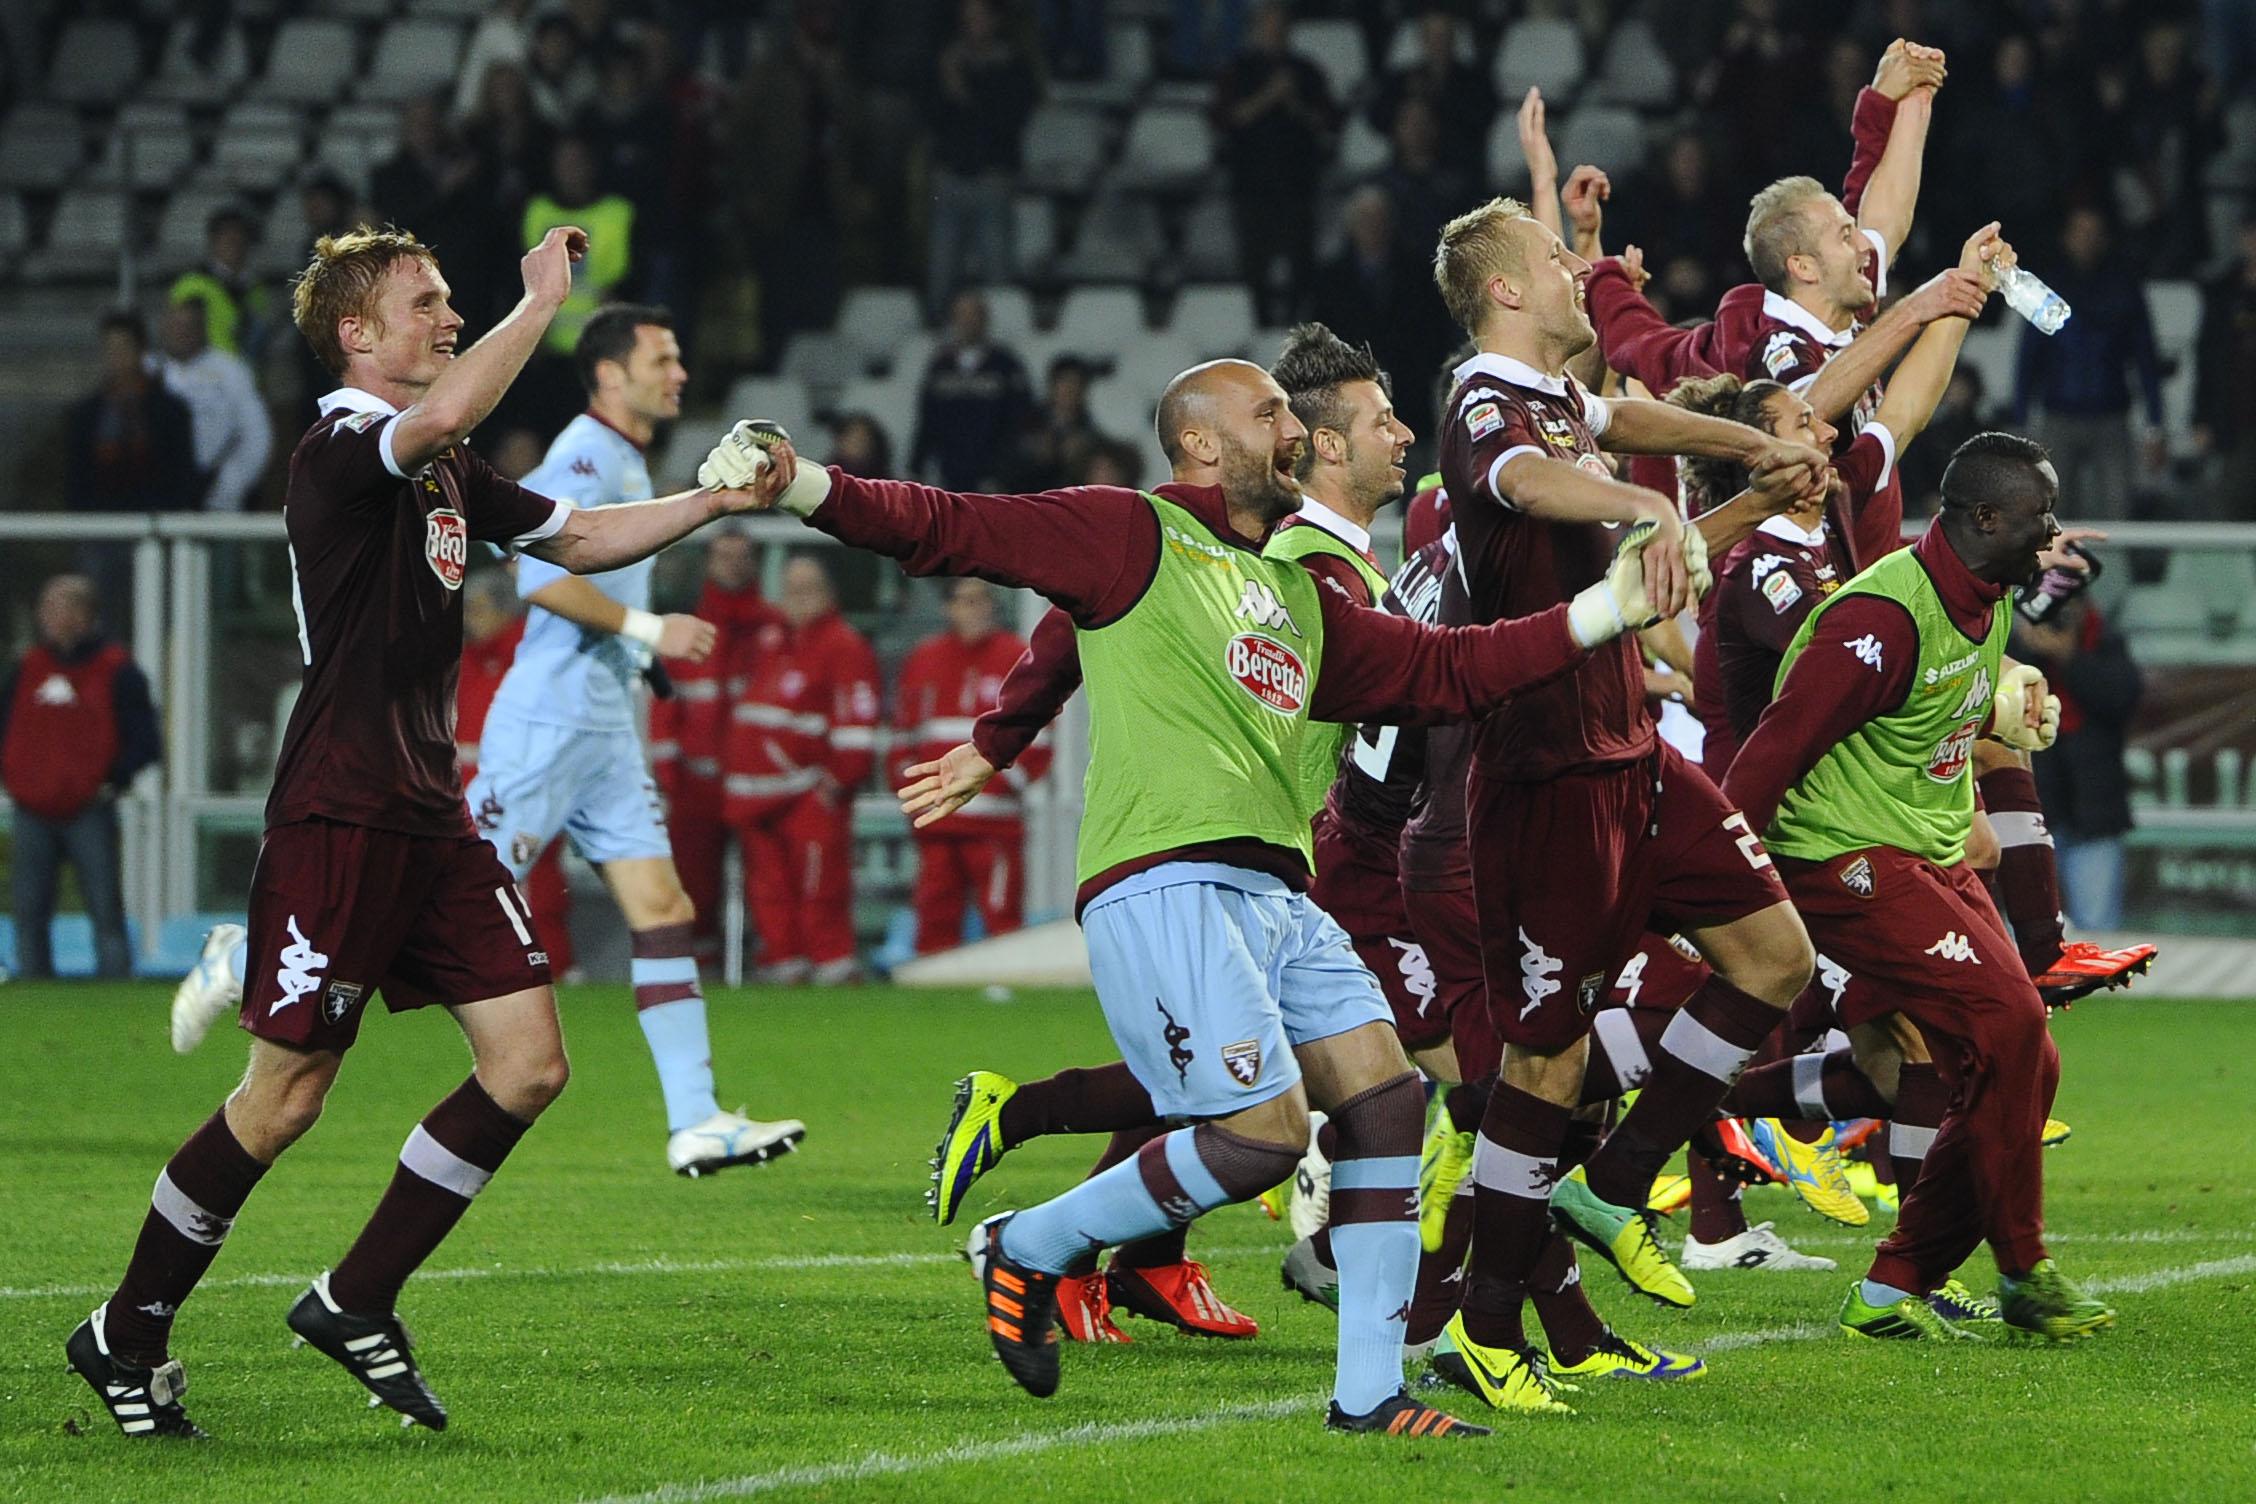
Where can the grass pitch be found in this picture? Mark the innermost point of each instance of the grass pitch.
(603, 1330)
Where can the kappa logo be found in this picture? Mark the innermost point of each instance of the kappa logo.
(1867, 650)
(1761, 568)
(1243, 1061)
(584, 466)
(299, 963)
(1176, 1036)
(1833, 977)
(446, 545)
(340, 999)
(1259, 605)
(1417, 972)
(1539, 971)
(1857, 877)
(56, 690)
(1954, 947)
(490, 813)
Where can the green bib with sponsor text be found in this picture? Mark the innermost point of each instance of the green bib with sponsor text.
(1198, 703)
(1325, 740)
(1904, 779)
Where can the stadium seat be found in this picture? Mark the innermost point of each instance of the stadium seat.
(41, 146)
(181, 76)
(96, 62)
(179, 241)
(359, 10)
(1010, 315)
(161, 147)
(2175, 309)
(312, 61)
(1215, 319)
(892, 400)
(821, 358)
(1540, 52)
(1404, 51)
(1100, 321)
(449, 10)
(1990, 350)
(1065, 147)
(1128, 54)
(82, 242)
(872, 319)
(773, 397)
(1336, 47)
(257, 160)
(1210, 240)
(15, 231)
(1635, 70)
(1118, 241)
(358, 139)
(283, 241)
(412, 58)
(1603, 136)
(1362, 150)
(1121, 406)
(1146, 365)
(2213, 586)
(1034, 234)
(1169, 149)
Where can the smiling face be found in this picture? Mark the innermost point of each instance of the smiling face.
(1370, 445)
(651, 378)
(1551, 290)
(1259, 442)
(1787, 416)
(1834, 260)
(407, 334)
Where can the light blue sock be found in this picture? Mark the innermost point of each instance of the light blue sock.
(1375, 1245)
(671, 1010)
(1876, 1294)
(1118, 1207)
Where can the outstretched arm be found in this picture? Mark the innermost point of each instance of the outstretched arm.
(1032, 693)
(1387, 668)
(1955, 294)
(1889, 125)
(594, 539)
(1638, 342)
(1857, 664)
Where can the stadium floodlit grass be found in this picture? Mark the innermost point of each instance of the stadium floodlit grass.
(601, 1329)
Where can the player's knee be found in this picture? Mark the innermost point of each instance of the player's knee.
(525, 1086)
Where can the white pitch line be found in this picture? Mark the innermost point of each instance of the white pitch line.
(2162, 1279)
(889, 1464)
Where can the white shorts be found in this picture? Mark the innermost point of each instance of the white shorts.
(1209, 975)
(535, 780)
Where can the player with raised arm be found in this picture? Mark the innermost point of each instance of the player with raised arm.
(1860, 775)
(370, 880)
(561, 753)
(1234, 1000)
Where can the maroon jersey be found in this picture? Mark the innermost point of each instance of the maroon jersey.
(1765, 586)
(1515, 565)
(1379, 776)
(1432, 855)
(376, 565)
(1426, 518)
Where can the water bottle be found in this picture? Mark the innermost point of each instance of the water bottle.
(2026, 293)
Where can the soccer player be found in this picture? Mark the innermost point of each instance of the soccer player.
(1859, 773)
(1234, 1000)
(493, 623)
(1584, 828)
(946, 683)
(560, 753)
(370, 880)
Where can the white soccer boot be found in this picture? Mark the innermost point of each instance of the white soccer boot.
(210, 989)
(1757, 1248)
(731, 1138)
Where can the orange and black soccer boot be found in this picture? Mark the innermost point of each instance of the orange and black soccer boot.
(1021, 1309)
(1402, 1416)
(2083, 968)
(1084, 1307)
(1180, 1295)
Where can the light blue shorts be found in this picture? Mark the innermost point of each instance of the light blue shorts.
(1210, 974)
(535, 779)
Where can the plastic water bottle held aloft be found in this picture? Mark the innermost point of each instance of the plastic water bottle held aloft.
(2026, 293)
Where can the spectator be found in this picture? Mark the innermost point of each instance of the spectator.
(1112, 463)
(1073, 37)
(984, 90)
(2172, 129)
(557, 71)
(978, 853)
(2005, 145)
(973, 405)
(1679, 213)
(511, 136)
(2086, 794)
(801, 741)
(1459, 93)
(574, 198)
(1056, 445)
(858, 446)
(631, 127)
(1426, 190)
(1958, 417)
(1378, 290)
(2078, 377)
(1273, 112)
(238, 313)
(228, 422)
(499, 40)
(689, 733)
(76, 728)
(127, 440)
(2224, 396)
(439, 184)
(1201, 34)
(1756, 82)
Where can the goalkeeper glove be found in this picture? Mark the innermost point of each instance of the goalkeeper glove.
(2010, 722)
(1617, 603)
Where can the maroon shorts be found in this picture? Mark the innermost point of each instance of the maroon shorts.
(340, 912)
(1571, 872)
(1444, 922)
(1912, 935)
(1356, 884)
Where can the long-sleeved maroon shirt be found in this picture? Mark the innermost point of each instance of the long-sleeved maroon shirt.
(1859, 663)
(1093, 551)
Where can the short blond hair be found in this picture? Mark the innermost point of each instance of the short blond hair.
(1476, 247)
(341, 280)
(1778, 226)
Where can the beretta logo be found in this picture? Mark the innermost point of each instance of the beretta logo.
(1269, 671)
(446, 544)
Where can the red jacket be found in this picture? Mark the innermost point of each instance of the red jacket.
(71, 725)
(689, 733)
(946, 684)
(805, 717)
(483, 665)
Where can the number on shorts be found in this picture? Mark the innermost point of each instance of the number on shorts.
(1375, 755)
(511, 902)
(1750, 845)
